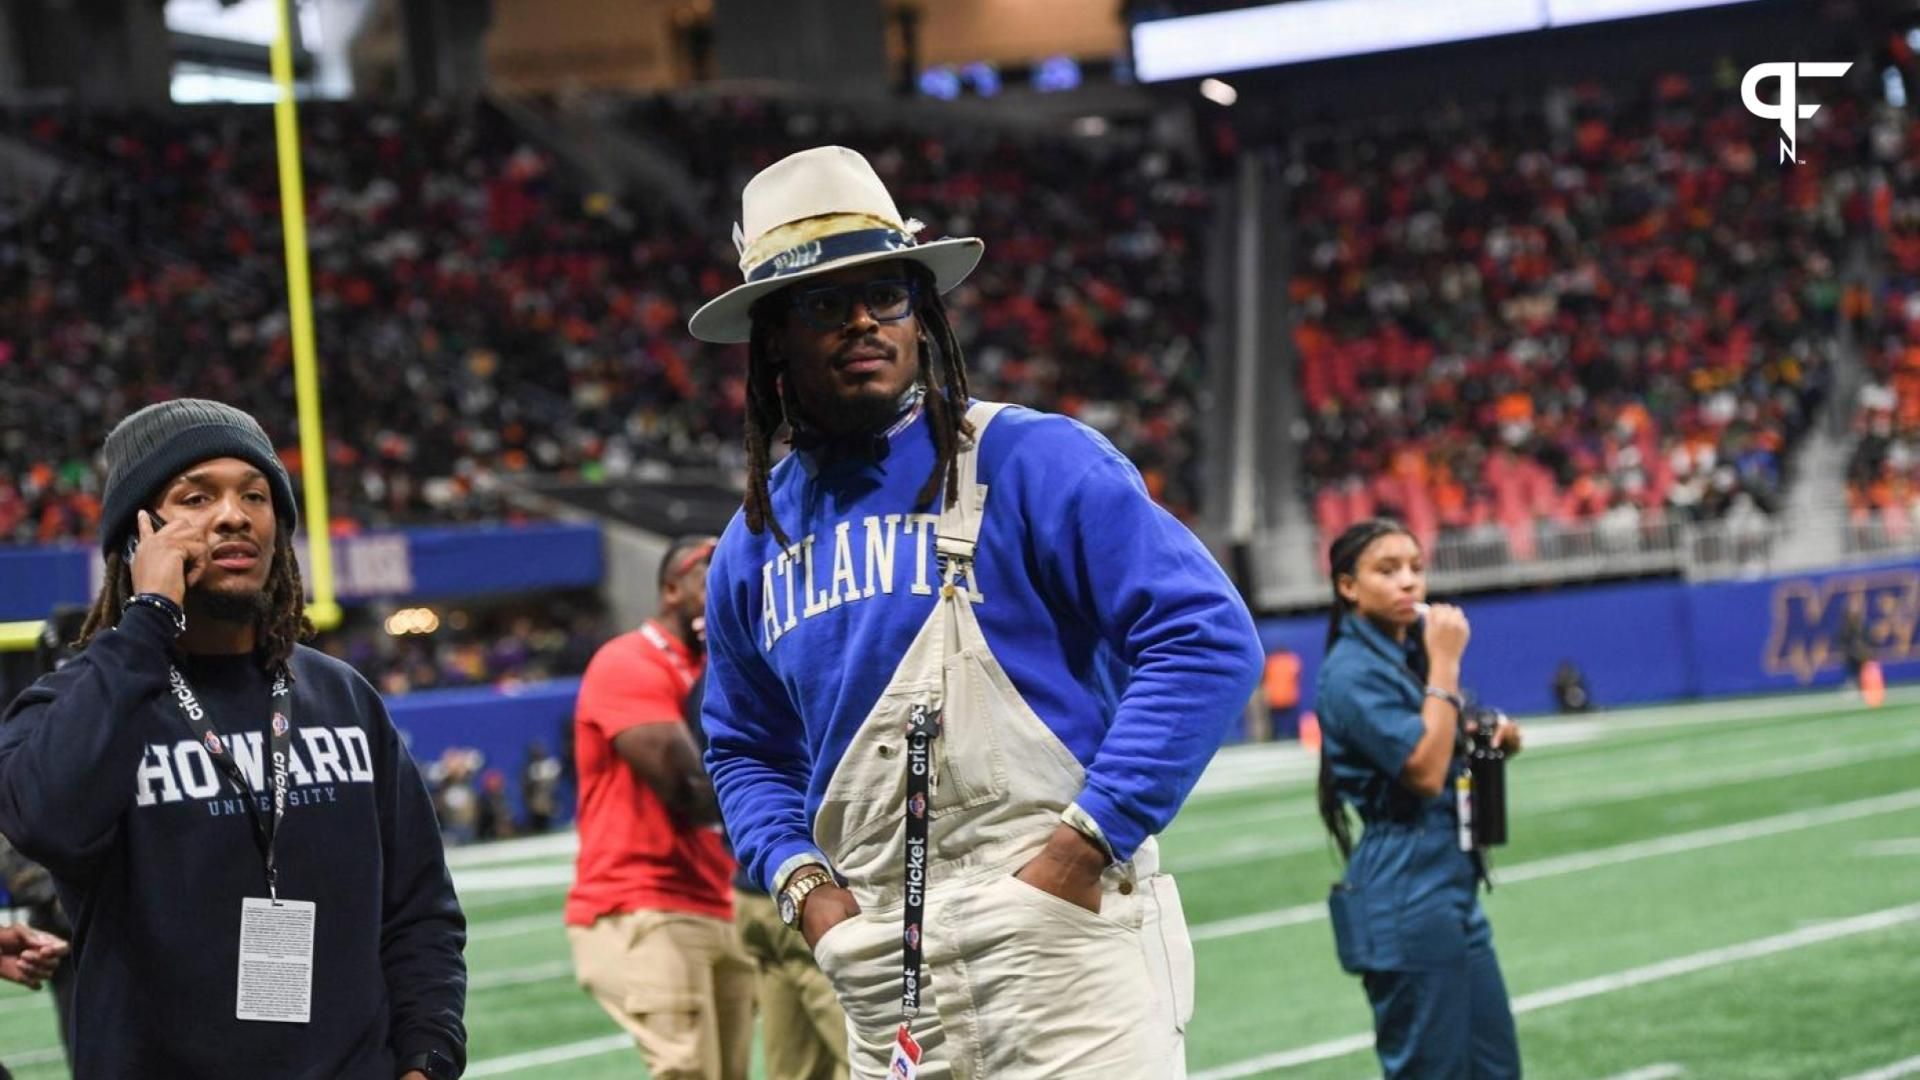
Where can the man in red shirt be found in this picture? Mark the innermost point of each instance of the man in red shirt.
(650, 916)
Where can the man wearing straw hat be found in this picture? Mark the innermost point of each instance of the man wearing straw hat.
(962, 669)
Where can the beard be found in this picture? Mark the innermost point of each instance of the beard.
(869, 412)
(862, 410)
(249, 606)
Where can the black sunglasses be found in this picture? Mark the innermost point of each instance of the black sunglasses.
(829, 307)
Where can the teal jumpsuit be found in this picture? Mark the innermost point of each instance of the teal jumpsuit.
(1406, 917)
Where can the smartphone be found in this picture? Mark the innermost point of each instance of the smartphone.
(133, 541)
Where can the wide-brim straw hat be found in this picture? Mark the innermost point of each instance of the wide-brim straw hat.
(813, 213)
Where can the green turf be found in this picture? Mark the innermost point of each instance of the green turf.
(1771, 802)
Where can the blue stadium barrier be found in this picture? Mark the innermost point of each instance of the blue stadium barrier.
(1783, 633)
(35, 580)
(1642, 643)
(494, 559)
(1628, 639)
(498, 723)
(1637, 643)
(414, 564)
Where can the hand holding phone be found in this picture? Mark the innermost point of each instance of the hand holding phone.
(133, 539)
(163, 558)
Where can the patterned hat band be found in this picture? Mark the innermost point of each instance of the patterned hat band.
(803, 245)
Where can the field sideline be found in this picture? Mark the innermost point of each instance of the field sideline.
(1720, 890)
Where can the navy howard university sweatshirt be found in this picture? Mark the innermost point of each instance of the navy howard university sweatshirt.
(103, 782)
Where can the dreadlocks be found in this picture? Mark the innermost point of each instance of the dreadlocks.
(943, 375)
(282, 625)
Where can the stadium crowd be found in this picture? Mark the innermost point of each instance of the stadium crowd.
(1883, 475)
(468, 309)
(1611, 284)
(527, 642)
(1610, 310)
(479, 317)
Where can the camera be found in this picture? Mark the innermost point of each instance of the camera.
(1482, 787)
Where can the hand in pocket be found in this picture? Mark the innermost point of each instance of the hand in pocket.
(826, 907)
(1069, 867)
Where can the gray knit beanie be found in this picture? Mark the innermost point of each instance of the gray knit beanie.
(148, 449)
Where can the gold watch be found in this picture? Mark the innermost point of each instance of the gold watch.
(793, 898)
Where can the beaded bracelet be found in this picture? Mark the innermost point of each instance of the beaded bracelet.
(163, 605)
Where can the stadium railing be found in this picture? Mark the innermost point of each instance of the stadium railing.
(1485, 559)
(1873, 538)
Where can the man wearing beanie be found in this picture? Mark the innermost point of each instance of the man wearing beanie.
(248, 854)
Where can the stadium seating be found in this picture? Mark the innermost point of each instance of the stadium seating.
(1609, 310)
(480, 316)
(1883, 475)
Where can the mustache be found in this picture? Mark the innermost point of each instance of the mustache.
(870, 343)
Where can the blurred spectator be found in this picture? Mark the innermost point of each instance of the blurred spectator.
(540, 787)
(494, 820)
(1280, 687)
(456, 801)
(1570, 692)
(472, 800)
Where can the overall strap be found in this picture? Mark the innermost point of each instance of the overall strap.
(959, 527)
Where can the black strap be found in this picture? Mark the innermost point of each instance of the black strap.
(280, 745)
(923, 726)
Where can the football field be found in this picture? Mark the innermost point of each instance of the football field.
(1721, 890)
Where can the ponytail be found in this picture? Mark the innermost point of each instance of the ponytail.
(1343, 559)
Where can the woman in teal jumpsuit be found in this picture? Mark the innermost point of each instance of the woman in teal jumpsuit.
(1406, 917)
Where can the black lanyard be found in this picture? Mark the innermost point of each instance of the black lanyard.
(280, 744)
(922, 728)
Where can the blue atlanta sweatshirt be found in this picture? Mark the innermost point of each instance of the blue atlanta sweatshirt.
(152, 850)
(1110, 618)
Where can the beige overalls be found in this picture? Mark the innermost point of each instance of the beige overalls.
(1018, 984)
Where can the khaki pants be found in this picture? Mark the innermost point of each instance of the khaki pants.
(806, 1033)
(679, 984)
(1022, 985)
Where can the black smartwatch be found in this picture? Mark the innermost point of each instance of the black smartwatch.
(435, 1064)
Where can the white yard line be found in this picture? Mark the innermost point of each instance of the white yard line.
(1903, 846)
(27, 1003)
(525, 849)
(1607, 984)
(1555, 866)
(1237, 768)
(1666, 1070)
(552, 1055)
(1282, 766)
(521, 976)
(526, 924)
(1909, 1067)
(506, 898)
(1305, 913)
(1245, 849)
(46, 1055)
(501, 879)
